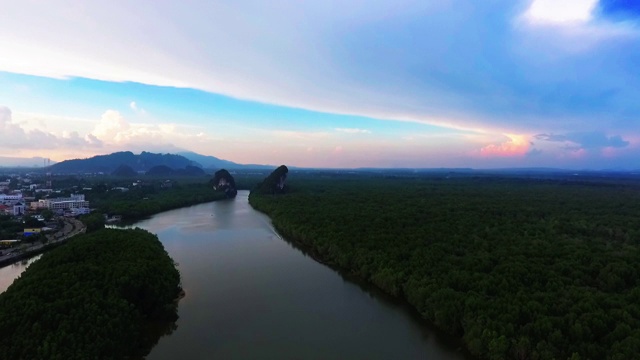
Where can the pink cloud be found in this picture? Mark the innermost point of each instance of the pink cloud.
(517, 145)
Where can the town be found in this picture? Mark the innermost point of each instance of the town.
(40, 209)
(34, 216)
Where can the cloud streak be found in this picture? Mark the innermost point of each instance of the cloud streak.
(353, 131)
(453, 63)
(586, 140)
(531, 69)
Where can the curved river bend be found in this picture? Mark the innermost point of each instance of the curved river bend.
(251, 295)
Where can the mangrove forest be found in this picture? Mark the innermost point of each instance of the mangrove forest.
(109, 294)
(517, 268)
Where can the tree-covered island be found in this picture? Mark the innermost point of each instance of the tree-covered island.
(93, 298)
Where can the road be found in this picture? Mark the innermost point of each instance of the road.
(71, 228)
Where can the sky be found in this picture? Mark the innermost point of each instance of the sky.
(339, 84)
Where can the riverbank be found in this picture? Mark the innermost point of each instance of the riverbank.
(136, 204)
(398, 299)
(241, 279)
(71, 228)
(374, 290)
(134, 214)
(509, 280)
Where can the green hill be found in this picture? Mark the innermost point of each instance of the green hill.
(124, 171)
(109, 163)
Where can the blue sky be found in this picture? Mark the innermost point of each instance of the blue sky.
(329, 84)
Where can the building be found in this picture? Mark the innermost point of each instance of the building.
(10, 199)
(18, 209)
(74, 202)
(80, 211)
(8, 243)
(32, 231)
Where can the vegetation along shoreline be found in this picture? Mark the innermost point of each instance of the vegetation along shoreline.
(123, 283)
(516, 268)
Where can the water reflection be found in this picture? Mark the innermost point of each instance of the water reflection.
(153, 332)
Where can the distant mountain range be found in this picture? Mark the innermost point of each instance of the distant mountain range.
(108, 163)
(126, 162)
(145, 162)
(6, 161)
(163, 170)
(212, 162)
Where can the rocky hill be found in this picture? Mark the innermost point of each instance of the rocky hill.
(223, 181)
(275, 183)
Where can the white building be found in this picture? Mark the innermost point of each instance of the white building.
(74, 202)
(12, 197)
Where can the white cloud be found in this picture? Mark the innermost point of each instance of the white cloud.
(111, 132)
(353, 131)
(571, 26)
(119, 133)
(112, 127)
(115, 130)
(455, 63)
(13, 135)
(92, 140)
(137, 109)
(561, 11)
(9, 129)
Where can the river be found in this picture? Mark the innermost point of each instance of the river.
(252, 295)
(11, 272)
